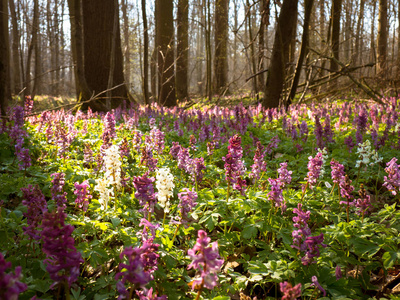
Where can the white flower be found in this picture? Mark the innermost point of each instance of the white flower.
(102, 188)
(367, 155)
(113, 165)
(324, 158)
(164, 185)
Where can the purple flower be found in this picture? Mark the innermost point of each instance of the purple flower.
(273, 144)
(24, 159)
(319, 133)
(364, 202)
(206, 260)
(314, 169)
(392, 181)
(82, 195)
(259, 164)
(290, 292)
(349, 143)
(145, 192)
(175, 149)
(284, 175)
(210, 148)
(337, 171)
(234, 167)
(361, 122)
(187, 202)
(275, 195)
(57, 193)
(315, 283)
(36, 203)
(148, 295)
(303, 130)
(346, 190)
(109, 130)
(63, 259)
(147, 159)
(338, 272)
(328, 133)
(10, 284)
(138, 270)
(313, 243)
(157, 138)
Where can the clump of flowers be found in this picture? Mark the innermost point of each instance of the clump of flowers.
(234, 166)
(148, 295)
(187, 202)
(113, 166)
(273, 144)
(137, 267)
(315, 168)
(259, 164)
(104, 191)
(315, 283)
(164, 185)
(145, 192)
(302, 239)
(109, 130)
(290, 292)
(206, 260)
(63, 259)
(82, 195)
(36, 203)
(284, 176)
(10, 284)
(57, 193)
(367, 155)
(392, 181)
(275, 195)
(364, 202)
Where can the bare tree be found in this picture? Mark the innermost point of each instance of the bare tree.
(382, 39)
(16, 70)
(4, 58)
(221, 40)
(182, 50)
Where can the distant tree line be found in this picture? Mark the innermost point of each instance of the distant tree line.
(107, 52)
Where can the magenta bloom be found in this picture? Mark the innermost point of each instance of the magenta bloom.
(145, 192)
(63, 259)
(58, 181)
(206, 260)
(138, 270)
(187, 202)
(364, 202)
(275, 195)
(338, 272)
(82, 195)
(337, 171)
(234, 167)
(315, 283)
(259, 164)
(36, 203)
(346, 191)
(285, 176)
(392, 181)
(148, 295)
(290, 292)
(314, 169)
(313, 243)
(10, 284)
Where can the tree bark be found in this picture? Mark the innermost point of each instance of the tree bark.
(335, 37)
(165, 39)
(382, 39)
(182, 48)
(17, 80)
(284, 34)
(308, 5)
(221, 41)
(357, 53)
(264, 23)
(4, 58)
(145, 55)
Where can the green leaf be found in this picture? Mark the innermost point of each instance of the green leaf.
(222, 298)
(249, 231)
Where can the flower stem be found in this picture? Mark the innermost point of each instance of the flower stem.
(200, 290)
(176, 232)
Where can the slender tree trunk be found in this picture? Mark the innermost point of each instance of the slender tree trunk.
(165, 41)
(207, 14)
(308, 5)
(372, 46)
(253, 68)
(221, 41)
(200, 47)
(31, 48)
(264, 23)
(145, 54)
(4, 58)
(357, 52)
(382, 40)
(112, 55)
(75, 12)
(56, 67)
(17, 87)
(335, 37)
(284, 34)
(182, 47)
(398, 42)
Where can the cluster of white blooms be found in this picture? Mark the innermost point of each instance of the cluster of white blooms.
(367, 155)
(102, 188)
(113, 166)
(164, 185)
(324, 154)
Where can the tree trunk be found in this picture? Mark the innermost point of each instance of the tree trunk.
(264, 23)
(357, 53)
(98, 40)
(4, 58)
(17, 80)
(145, 55)
(83, 92)
(221, 41)
(382, 39)
(308, 5)
(165, 43)
(182, 48)
(284, 34)
(335, 37)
